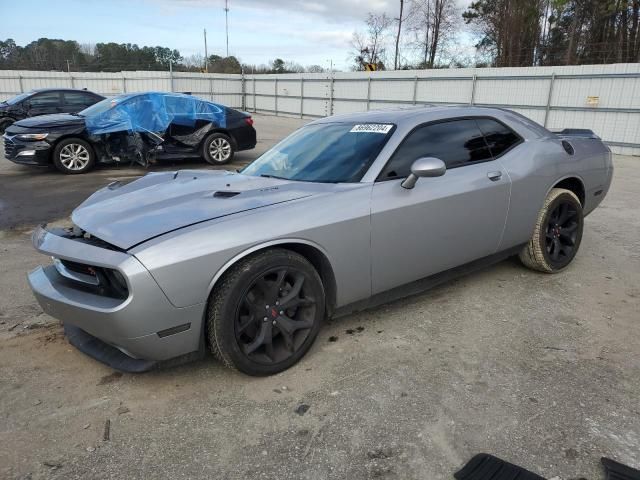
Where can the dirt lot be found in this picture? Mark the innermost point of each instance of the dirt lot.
(540, 370)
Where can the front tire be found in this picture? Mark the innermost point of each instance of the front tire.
(265, 312)
(73, 156)
(557, 233)
(4, 124)
(218, 149)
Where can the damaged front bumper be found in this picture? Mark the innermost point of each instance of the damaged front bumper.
(136, 320)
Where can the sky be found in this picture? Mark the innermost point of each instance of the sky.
(309, 32)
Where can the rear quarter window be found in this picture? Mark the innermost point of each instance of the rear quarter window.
(79, 99)
(500, 138)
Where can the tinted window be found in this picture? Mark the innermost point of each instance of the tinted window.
(324, 152)
(19, 98)
(456, 143)
(78, 99)
(499, 137)
(48, 99)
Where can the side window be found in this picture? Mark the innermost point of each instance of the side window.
(456, 143)
(78, 99)
(46, 99)
(499, 137)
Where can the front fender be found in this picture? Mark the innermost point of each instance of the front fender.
(263, 246)
(187, 263)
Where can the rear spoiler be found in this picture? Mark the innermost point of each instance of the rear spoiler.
(576, 132)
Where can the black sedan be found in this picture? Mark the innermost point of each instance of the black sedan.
(45, 101)
(135, 128)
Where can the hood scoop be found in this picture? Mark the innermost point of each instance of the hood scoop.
(225, 194)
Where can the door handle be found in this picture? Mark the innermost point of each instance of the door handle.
(494, 176)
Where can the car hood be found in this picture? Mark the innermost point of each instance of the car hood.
(126, 215)
(51, 121)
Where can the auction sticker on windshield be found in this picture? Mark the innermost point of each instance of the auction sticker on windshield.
(371, 128)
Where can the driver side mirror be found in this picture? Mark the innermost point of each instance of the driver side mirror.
(424, 167)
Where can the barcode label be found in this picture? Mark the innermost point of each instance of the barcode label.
(371, 128)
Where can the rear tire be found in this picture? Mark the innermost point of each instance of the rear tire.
(73, 156)
(218, 149)
(557, 233)
(265, 312)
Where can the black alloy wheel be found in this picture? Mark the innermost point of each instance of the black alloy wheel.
(275, 316)
(265, 312)
(557, 233)
(561, 234)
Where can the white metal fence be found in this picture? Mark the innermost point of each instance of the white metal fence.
(226, 89)
(604, 98)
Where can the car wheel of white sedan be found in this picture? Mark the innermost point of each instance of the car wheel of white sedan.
(73, 156)
(557, 233)
(265, 312)
(218, 149)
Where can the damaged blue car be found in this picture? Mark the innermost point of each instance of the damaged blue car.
(132, 128)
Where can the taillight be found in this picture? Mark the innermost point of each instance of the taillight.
(249, 121)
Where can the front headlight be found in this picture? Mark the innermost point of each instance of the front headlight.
(30, 137)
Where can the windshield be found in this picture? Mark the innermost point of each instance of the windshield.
(324, 152)
(103, 105)
(18, 98)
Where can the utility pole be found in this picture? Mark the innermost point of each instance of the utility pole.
(68, 67)
(206, 58)
(226, 22)
(171, 75)
(395, 60)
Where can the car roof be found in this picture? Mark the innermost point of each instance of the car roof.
(194, 98)
(407, 118)
(39, 90)
(412, 114)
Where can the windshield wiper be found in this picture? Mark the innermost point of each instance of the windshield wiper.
(264, 175)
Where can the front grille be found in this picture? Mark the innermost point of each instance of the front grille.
(108, 282)
(78, 267)
(10, 148)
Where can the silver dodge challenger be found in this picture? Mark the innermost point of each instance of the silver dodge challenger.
(347, 212)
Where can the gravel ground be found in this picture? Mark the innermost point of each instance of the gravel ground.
(539, 370)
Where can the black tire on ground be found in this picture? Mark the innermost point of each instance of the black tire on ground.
(265, 312)
(557, 233)
(218, 149)
(73, 156)
(4, 124)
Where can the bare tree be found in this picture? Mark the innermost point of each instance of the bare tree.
(369, 47)
(314, 69)
(395, 59)
(433, 24)
(194, 61)
(88, 48)
(293, 67)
